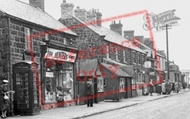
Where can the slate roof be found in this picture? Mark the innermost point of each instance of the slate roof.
(94, 28)
(114, 37)
(149, 50)
(110, 35)
(31, 14)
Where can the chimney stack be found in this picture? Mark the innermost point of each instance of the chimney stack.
(117, 27)
(140, 38)
(37, 3)
(149, 42)
(67, 10)
(99, 18)
(91, 16)
(80, 14)
(129, 34)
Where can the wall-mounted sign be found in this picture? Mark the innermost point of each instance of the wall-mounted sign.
(100, 85)
(49, 74)
(60, 55)
(152, 74)
(147, 64)
(159, 21)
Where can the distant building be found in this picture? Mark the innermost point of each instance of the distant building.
(187, 75)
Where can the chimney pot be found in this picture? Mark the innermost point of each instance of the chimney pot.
(117, 27)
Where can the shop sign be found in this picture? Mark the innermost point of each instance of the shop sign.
(60, 55)
(159, 21)
(152, 73)
(147, 64)
(49, 74)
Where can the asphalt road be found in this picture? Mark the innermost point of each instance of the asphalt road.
(174, 107)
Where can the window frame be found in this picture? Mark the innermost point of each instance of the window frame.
(28, 38)
(124, 56)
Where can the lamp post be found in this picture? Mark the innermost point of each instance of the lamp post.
(167, 48)
(43, 50)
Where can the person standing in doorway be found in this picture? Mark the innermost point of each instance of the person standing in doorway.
(89, 94)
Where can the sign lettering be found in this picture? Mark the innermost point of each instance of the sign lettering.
(60, 55)
(159, 21)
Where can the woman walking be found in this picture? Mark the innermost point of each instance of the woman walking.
(4, 98)
(151, 87)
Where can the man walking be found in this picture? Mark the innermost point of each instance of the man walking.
(89, 94)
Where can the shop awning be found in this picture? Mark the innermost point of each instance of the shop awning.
(87, 67)
(112, 71)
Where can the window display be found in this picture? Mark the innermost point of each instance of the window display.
(59, 87)
(122, 85)
(50, 90)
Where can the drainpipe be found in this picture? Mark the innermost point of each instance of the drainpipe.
(9, 64)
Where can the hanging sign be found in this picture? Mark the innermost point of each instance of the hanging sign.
(159, 21)
(60, 55)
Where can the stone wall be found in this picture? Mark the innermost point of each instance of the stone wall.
(17, 39)
(4, 48)
(87, 39)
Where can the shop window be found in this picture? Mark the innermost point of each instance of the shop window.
(50, 88)
(59, 87)
(100, 83)
(122, 85)
(64, 81)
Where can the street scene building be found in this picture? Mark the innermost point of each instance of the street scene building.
(49, 62)
(22, 34)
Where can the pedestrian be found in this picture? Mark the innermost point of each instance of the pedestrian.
(158, 88)
(151, 87)
(89, 94)
(176, 87)
(163, 87)
(173, 87)
(4, 98)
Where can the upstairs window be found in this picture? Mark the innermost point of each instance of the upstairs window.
(116, 53)
(28, 39)
(124, 56)
(133, 57)
(107, 53)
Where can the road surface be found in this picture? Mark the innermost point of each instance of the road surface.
(174, 107)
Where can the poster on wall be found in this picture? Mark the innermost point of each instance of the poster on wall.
(100, 85)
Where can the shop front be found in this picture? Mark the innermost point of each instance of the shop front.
(58, 78)
(116, 86)
(89, 70)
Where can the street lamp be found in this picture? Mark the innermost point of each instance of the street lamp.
(167, 48)
(43, 49)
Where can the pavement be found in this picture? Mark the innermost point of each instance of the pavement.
(81, 111)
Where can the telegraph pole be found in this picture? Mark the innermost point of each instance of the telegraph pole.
(168, 63)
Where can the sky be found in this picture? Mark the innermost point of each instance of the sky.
(178, 38)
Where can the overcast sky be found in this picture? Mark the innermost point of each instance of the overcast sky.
(178, 35)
